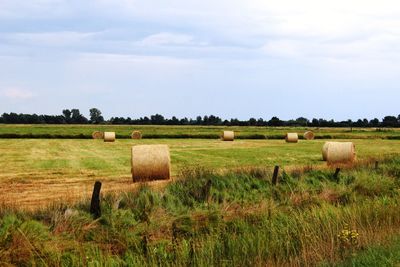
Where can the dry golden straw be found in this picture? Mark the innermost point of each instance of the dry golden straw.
(136, 135)
(228, 136)
(150, 162)
(97, 135)
(109, 136)
(309, 135)
(292, 138)
(339, 152)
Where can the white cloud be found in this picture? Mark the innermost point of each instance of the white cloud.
(383, 47)
(63, 38)
(166, 38)
(17, 93)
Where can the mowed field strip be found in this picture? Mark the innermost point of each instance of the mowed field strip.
(168, 131)
(35, 172)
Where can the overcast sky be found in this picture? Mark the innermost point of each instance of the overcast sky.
(232, 58)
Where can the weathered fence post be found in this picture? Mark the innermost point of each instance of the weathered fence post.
(95, 209)
(336, 175)
(275, 175)
(144, 244)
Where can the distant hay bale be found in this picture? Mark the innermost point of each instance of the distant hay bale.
(136, 135)
(309, 135)
(97, 135)
(292, 138)
(340, 152)
(228, 136)
(150, 162)
(109, 136)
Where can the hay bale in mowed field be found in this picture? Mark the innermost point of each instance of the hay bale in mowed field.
(309, 135)
(136, 135)
(340, 152)
(150, 162)
(97, 135)
(228, 135)
(109, 136)
(292, 138)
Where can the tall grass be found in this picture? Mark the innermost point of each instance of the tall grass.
(215, 219)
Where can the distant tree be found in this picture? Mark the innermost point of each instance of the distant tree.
(314, 122)
(374, 123)
(77, 117)
(95, 116)
(145, 120)
(234, 122)
(252, 122)
(275, 121)
(324, 123)
(205, 120)
(184, 121)
(173, 121)
(157, 119)
(301, 121)
(358, 123)
(67, 115)
(199, 120)
(226, 123)
(261, 122)
(214, 120)
(389, 121)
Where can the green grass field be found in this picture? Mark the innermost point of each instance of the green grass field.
(220, 209)
(211, 132)
(39, 158)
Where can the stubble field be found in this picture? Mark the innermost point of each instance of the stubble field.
(38, 171)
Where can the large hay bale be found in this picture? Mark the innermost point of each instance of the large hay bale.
(309, 135)
(292, 138)
(150, 162)
(228, 136)
(339, 152)
(109, 136)
(97, 135)
(136, 135)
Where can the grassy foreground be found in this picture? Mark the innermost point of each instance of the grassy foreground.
(211, 219)
(204, 132)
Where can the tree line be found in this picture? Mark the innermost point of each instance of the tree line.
(74, 116)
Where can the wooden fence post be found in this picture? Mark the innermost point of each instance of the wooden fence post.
(95, 209)
(336, 175)
(275, 175)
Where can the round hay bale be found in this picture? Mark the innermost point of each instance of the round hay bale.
(109, 136)
(339, 152)
(309, 135)
(150, 162)
(228, 136)
(97, 135)
(292, 138)
(136, 135)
